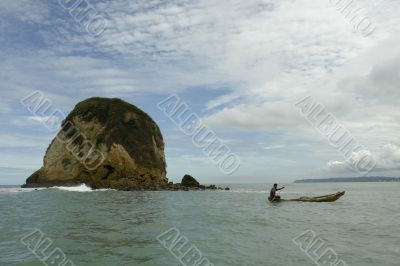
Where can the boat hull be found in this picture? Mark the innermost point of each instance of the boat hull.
(325, 198)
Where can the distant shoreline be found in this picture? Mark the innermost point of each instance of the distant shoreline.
(350, 179)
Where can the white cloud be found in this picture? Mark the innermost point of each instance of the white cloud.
(267, 116)
(25, 10)
(21, 141)
(34, 120)
(339, 168)
(4, 108)
(387, 159)
(274, 147)
(266, 54)
(252, 47)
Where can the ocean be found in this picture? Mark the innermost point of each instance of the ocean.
(236, 227)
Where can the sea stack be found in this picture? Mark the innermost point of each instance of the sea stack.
(105, 143)
(189, 181)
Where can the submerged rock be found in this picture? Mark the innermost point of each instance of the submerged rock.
(105, 143)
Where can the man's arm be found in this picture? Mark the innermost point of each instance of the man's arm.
(280, 188)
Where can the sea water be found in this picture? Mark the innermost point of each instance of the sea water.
(236, 227)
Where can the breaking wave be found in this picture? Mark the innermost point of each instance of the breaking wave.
(80, 188)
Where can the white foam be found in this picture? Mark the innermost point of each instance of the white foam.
(80, 188)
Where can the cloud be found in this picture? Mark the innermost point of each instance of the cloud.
(386, 159)
(257, 58)
(251, 47)
(274, 147)
(267, 116)
(64, 79)
(380, 85)
(338, 167)
(362, 95)
(4, 107)
(389, 157)
(25, 121)
(25, 10)
(18, 141)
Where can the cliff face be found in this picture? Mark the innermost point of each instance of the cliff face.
(105, 143)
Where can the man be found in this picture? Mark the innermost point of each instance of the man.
(272, 194)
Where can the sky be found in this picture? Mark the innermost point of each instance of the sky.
(238, 65)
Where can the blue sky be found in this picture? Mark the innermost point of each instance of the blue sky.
(239, 66)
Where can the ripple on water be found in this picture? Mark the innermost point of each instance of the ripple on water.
(230, 228)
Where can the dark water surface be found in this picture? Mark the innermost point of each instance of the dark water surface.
(236, 227)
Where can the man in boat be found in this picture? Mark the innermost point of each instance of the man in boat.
(272, 194)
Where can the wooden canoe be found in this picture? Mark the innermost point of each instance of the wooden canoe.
(325, 198)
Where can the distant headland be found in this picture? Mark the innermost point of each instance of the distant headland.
(350, 179)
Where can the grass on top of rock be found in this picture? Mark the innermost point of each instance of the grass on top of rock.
(103, 109)
(125, 124)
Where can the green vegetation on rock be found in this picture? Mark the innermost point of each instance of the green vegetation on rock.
(130, 140)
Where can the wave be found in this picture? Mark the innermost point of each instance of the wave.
(80, 188)
(252, 191)
(256, 191)
(18, 189)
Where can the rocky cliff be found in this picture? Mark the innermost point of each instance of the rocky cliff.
(105, 143)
